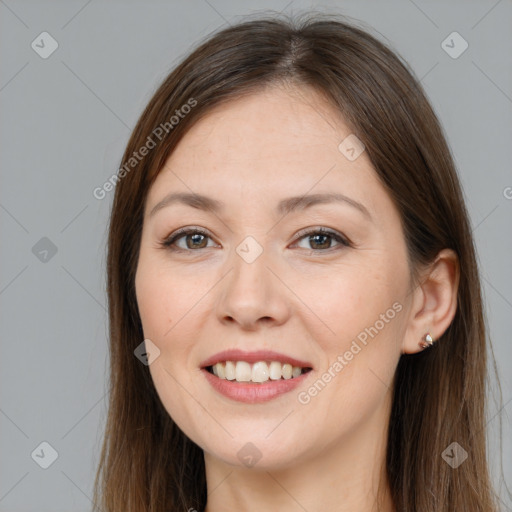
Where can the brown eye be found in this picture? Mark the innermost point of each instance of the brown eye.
(194, 239)
(322, 239)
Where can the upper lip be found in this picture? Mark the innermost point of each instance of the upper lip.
(253, 357)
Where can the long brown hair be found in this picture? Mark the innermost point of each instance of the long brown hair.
(147, 463)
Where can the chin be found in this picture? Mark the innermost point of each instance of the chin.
(276, 451)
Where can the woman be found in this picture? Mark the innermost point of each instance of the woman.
(295, 309)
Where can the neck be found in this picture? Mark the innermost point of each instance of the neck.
(346, 476)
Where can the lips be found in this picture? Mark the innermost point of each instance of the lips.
(254, 376)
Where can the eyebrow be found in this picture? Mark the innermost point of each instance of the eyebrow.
(284, 207)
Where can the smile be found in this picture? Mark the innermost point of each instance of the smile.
(254, 377)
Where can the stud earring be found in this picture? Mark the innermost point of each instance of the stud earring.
(427, 341)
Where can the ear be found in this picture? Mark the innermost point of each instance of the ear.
(434, 301)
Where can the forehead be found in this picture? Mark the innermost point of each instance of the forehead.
(275, 142)
(275, 123)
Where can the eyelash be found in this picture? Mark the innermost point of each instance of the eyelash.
(180, 233)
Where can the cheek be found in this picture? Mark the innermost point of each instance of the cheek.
(360, 320)
(344, 300)
(170, 311)
(153, 303)
(163, 297)
(161, 305)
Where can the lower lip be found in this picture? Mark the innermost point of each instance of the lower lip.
(250, 392)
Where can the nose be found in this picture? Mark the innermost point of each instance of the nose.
(252, 295)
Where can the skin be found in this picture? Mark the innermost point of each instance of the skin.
(307, 298)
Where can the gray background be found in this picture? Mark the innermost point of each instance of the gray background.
(64, 122)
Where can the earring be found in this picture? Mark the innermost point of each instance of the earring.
(427, 341)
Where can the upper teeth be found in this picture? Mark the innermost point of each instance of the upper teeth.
(241, 371)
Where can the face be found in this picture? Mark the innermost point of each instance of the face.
(278, 321)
